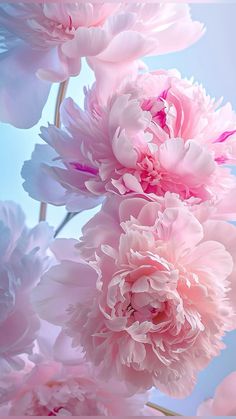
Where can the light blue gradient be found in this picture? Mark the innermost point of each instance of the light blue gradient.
(212, 61)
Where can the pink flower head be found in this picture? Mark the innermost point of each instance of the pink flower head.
(224, 401)
(44, 42)
(155, 298)
(51, 389)
(23, 260)
(155, 134)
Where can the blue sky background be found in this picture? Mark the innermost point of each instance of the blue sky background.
(212, 61)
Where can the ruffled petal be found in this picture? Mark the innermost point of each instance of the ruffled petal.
(59, 285)
(45, 188)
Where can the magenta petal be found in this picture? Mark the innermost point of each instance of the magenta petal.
(224, 136)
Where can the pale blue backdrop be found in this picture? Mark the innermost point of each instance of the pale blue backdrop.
(211, 61)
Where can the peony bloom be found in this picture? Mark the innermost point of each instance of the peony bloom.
(43, 43)
(23, 260)
(147, 292)
(156, 134)
(51, 389)
(224, 401)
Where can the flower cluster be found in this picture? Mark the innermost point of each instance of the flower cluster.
(53, 389)
(144, 298)
(50, 39)
(155, 296)
(157, 133)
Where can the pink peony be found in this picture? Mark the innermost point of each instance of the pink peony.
(23, 260)
(224, 401)
(153, 300)
(156, 134)
(43, 43)
(51, 389)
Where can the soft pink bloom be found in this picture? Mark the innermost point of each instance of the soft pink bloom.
(23, 260)
(51, 389)
(44, 43)
(155, 134)
(224, 401)
(153, 300)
